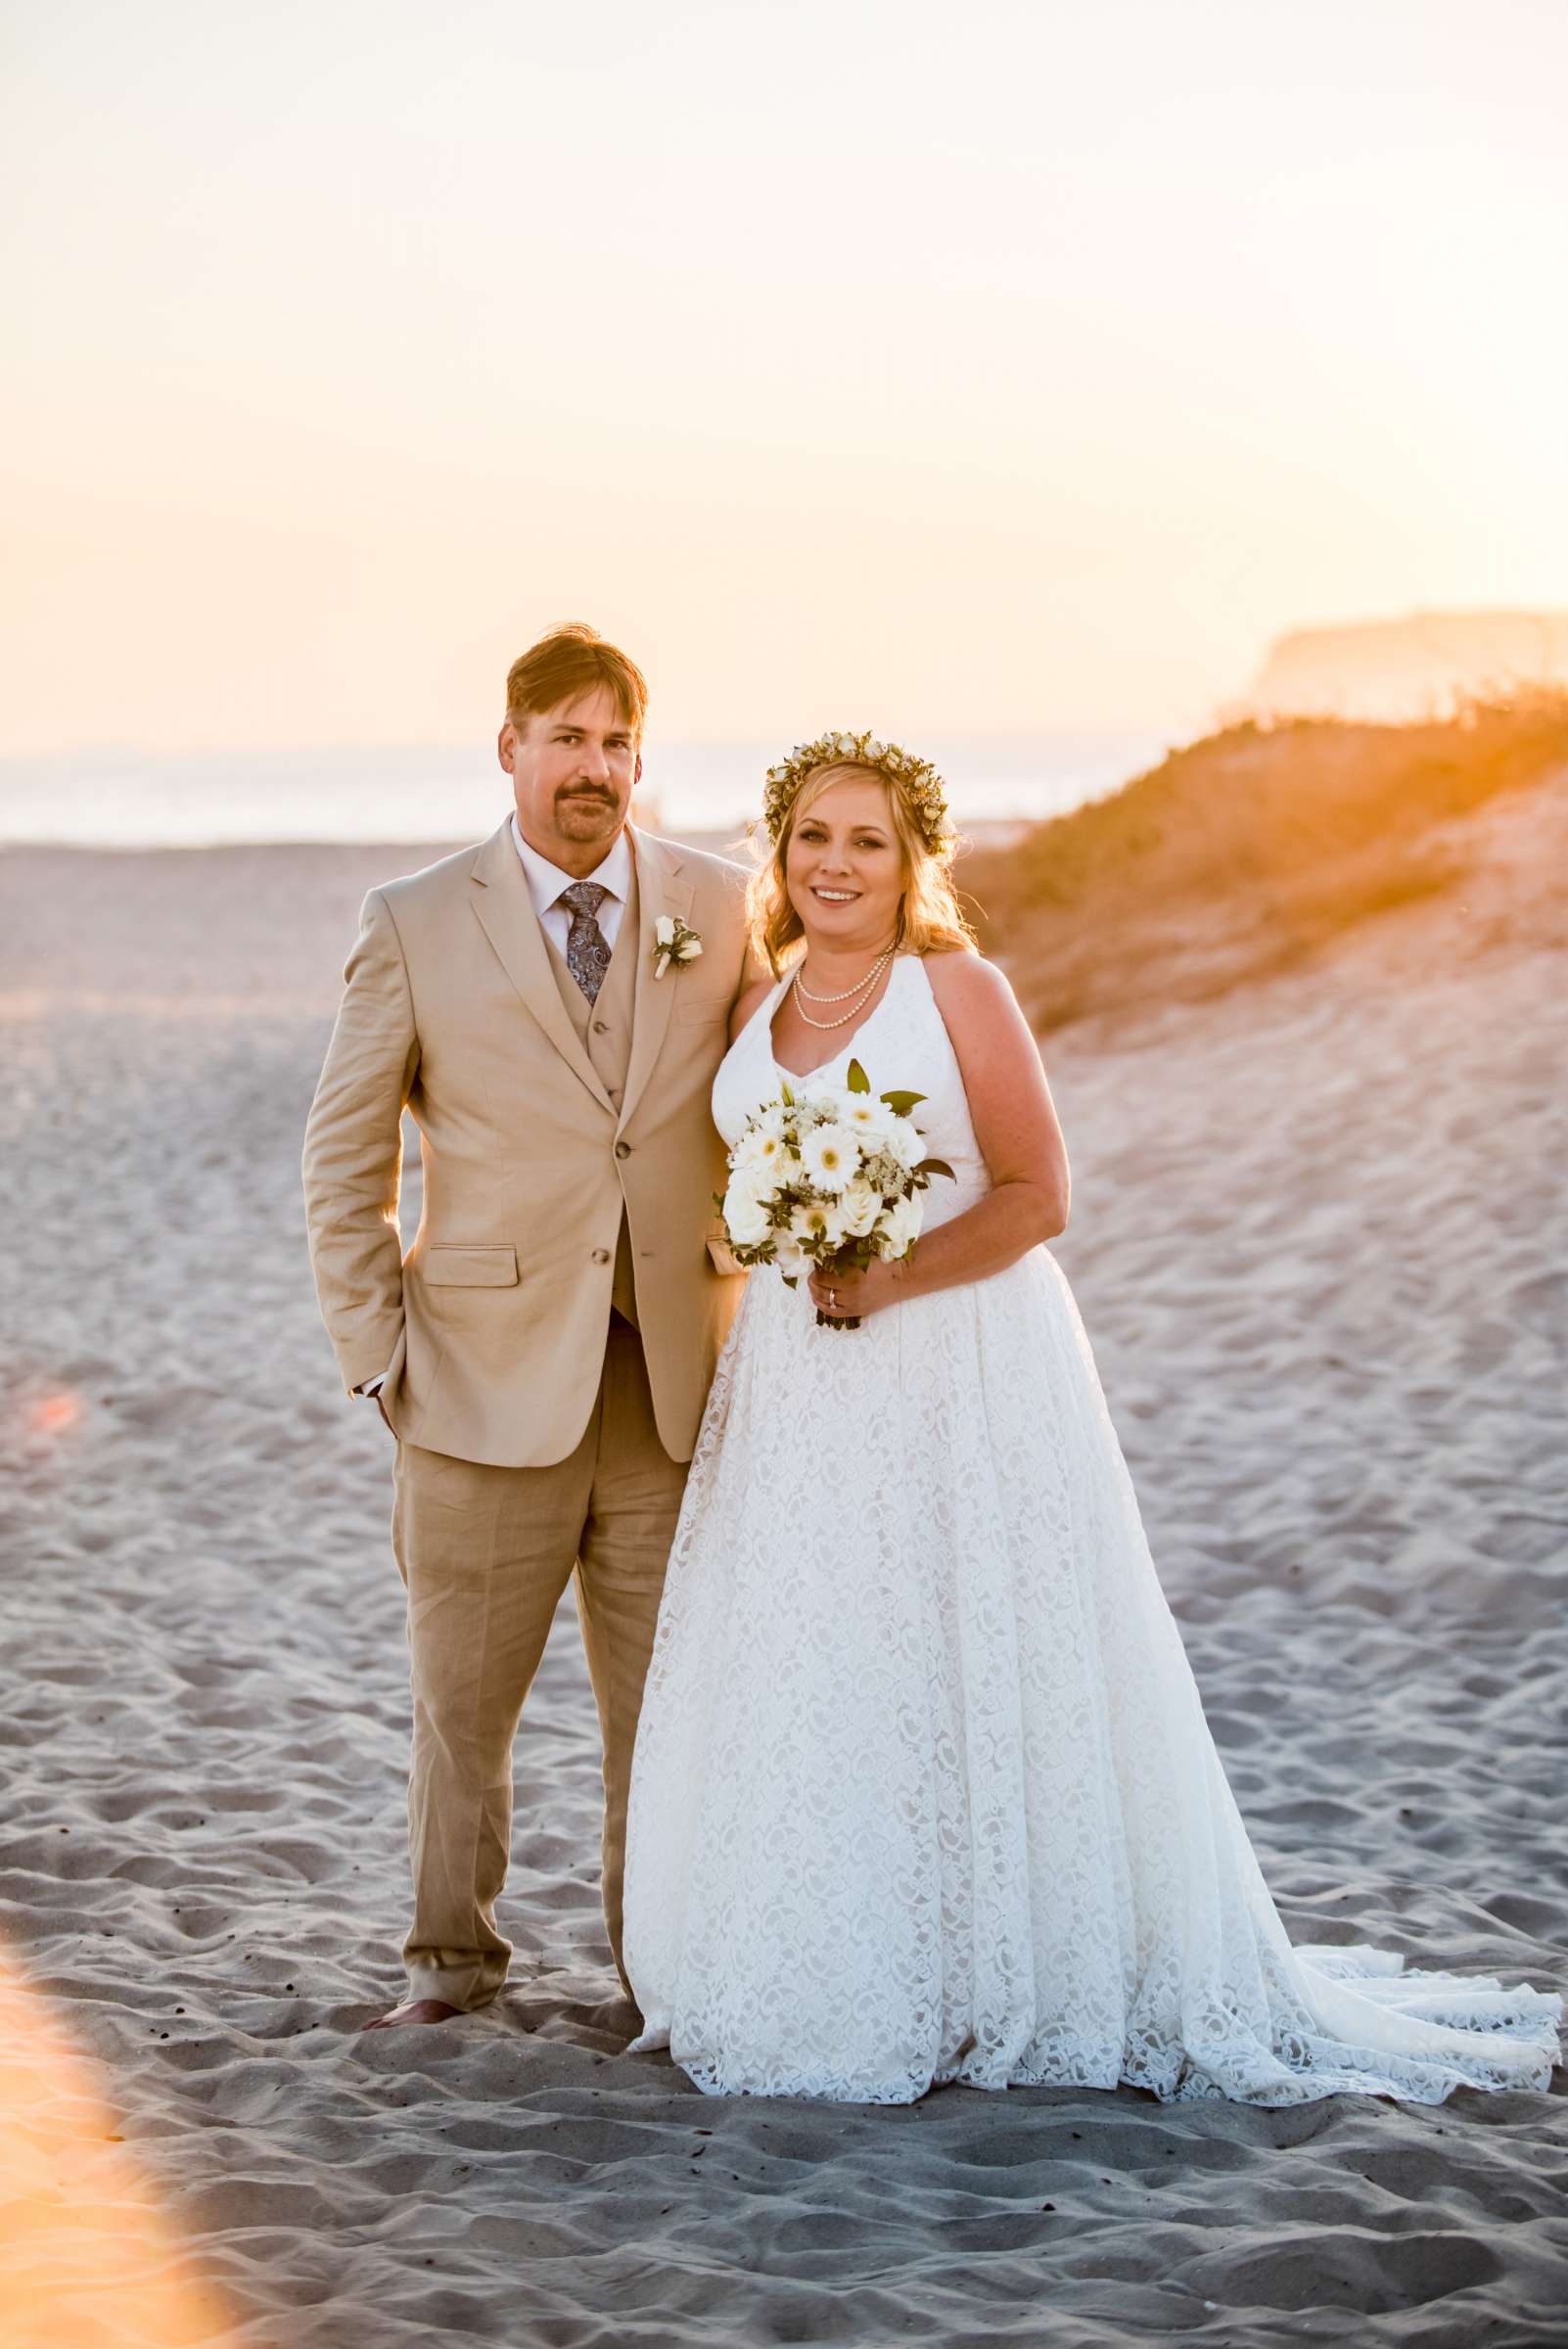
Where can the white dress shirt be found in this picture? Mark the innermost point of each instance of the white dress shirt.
(545, 883)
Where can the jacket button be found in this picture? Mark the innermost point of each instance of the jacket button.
(622, 1149)
(601, 1027)
(601, 1256)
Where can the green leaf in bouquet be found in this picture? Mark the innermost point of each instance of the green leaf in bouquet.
(935, 1166)
(859, 1082)
(786, 1095)
(902, 1104)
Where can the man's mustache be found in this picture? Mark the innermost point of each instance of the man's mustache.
(585, 791)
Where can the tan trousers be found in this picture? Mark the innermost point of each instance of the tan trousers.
(485, 1554)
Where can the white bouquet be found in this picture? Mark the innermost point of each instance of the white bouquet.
(826, 1179)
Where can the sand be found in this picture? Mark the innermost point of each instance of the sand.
(1318, 1239)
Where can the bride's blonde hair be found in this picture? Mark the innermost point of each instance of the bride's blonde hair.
(929, 921)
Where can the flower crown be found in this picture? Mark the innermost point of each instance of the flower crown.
(917, 779)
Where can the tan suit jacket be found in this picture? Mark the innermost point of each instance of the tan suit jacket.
(495, 1324)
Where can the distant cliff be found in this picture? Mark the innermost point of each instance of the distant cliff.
(1421, 666)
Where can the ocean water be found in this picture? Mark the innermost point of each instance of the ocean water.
(111, 798)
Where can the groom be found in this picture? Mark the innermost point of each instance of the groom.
(543, 1351)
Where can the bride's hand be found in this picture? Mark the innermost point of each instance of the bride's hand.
(849, 1296)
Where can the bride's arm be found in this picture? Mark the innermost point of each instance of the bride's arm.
(1020, 1140)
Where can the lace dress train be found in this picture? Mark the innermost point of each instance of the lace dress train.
(923, 1788)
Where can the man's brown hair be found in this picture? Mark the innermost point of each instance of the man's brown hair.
(567, 664)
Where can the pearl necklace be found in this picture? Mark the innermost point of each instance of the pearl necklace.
(857, 988)
(860, 993)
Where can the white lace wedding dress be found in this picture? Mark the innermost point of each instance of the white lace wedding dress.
(923, 1788)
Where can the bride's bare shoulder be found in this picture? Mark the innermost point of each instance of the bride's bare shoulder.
(967, 985)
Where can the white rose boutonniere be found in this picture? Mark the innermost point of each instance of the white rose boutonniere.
(675, 943)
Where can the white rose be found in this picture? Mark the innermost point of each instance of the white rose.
(789, 1255)
(897, 1227)
(664, 929)
(690, 949)
(904, 1141)
(745, 1216)
(859, 1206)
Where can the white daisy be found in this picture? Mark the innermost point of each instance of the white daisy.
(831, 1156)
(760, 1150)
(817, 1228)
(865, 1116)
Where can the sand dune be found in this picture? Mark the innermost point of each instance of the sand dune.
(1252, 850)
(1317, 1240)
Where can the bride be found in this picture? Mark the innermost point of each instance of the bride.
(923, 1789)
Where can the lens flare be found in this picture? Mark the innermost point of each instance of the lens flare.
(54, 1415)
(86, 2256)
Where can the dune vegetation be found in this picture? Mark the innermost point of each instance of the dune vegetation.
(1246, 852)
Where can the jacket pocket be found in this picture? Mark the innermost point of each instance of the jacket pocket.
(451, 1265)
(698, 1011)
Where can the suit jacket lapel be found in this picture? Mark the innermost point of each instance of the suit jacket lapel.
(663, 887)
(507, 917)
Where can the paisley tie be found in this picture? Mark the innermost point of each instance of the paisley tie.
(588, 948)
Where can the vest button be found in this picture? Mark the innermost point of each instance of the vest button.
(622, 1149)
(601, 1027)
(601, 1256)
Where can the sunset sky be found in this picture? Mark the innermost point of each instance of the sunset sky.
(996, 367)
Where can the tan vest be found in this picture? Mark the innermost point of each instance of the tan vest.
(604, 1029)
